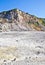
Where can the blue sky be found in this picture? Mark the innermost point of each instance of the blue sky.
(35, 7)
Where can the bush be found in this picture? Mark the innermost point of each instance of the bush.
(36, 24)
(43, 23)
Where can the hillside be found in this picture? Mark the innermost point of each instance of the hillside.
(17, 20)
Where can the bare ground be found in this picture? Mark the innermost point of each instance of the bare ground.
(22, 48)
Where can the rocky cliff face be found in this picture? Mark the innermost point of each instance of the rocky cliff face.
(17, 20)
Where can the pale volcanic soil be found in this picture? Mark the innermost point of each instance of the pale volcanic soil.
(22, 48)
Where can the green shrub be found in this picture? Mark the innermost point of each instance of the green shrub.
(43, 23)
(36, 24)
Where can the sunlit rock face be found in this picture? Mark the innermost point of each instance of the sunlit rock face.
(16, 19)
